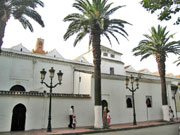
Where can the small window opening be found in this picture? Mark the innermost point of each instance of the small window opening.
(112, 56)
(129, 101)
(105, 54)
(111, 71)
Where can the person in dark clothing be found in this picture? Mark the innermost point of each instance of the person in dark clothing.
(71, 113)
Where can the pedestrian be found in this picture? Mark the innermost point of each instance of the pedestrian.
(74, 122)
(105, 117)
(108, 118)
(171, 114)
(71, 113)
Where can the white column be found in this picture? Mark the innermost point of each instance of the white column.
(98, 117)
(165, 110)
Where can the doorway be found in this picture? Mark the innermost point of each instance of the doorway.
(18, 118)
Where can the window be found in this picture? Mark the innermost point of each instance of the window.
(17, 88)
(129, 101)
(149, 101)
(105, 54)
(112, 56)
(111, 71)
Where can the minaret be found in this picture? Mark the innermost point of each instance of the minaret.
(39, 49)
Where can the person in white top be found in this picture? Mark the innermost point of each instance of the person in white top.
(71, 113)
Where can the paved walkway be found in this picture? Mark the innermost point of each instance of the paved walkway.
(86, 130)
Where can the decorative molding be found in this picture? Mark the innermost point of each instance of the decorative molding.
(42, 94)
(112, 60)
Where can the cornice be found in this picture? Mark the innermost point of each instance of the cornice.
(152, 75)
(23, 55)
(112, 60)
(42, 94)
(123, 78)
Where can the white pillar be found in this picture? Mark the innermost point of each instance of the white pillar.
(165, 110)
(98, 117)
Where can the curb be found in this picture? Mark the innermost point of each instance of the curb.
(118, 129)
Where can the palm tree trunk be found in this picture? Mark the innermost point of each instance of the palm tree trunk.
(97, 76)
(3, 21)
(97, 71)
(161, 67)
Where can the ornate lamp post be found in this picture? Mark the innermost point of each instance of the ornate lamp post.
(51, 75)
(131, 79)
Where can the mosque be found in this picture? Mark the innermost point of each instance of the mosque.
(24, 101)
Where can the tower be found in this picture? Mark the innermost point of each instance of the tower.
(39, 48)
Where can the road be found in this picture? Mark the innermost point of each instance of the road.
(159, 130)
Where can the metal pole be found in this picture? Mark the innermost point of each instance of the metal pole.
(132, 89)
(49, 129)
(134, 111)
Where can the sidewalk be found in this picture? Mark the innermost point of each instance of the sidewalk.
(86, 130)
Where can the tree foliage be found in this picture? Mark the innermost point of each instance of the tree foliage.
(158, 44)
(21, 10)
(91, 16)
(165, 8)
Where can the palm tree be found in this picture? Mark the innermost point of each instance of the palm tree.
(20, 10)
(158, 45)
(94, 20)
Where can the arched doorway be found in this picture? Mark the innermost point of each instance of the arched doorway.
(18, 118)
(17, 88)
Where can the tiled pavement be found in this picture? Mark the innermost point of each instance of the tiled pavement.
(86, 130)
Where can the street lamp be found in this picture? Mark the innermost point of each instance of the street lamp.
(51, 75)
(131, 79)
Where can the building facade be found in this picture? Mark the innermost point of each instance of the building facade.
(25, 100)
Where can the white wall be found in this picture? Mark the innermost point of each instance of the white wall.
(37, 111)
(82, 83)
(118, 67)
(26, 72)
(115, 93)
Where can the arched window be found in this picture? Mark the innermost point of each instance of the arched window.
(17, 88)
(149, 101)
(129, 102)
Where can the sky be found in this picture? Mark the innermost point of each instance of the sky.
(53, 14)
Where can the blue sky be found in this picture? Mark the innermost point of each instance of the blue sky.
(53, 14)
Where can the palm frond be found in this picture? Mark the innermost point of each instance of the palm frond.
(26, 23)
(94, 17)
(108, 38)
(79, 37)
(111, 11)
(113, 36)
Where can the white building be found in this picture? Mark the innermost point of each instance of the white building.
(23, 98)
